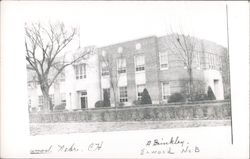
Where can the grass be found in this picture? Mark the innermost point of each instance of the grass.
(67, 128)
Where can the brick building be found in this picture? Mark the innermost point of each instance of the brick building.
(126, 68)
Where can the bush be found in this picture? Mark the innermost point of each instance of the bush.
(146, 99)
(99, 104)
(120, 104)
(210, 94)
(199, 97)
(137, 102)
(176, 97)
(60, 106)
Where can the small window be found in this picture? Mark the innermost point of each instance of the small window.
(103, 53)
(63, 98)
(163, 60)
(138, 46)
(140, 89)
(105, 69)
(121, 65)
(62, 76)
(123, 94)
(120, 49)
(165, 90)
(139, 63)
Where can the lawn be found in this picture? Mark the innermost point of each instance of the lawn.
(86, 127)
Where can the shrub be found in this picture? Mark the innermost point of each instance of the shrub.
(210, 94)
(60, 106)
(137, 102)
(120, 104)
(176, 97)
(199, 97)
(106, 99)
(146, 99)
(99, 104)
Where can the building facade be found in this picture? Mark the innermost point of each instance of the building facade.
(125, 69)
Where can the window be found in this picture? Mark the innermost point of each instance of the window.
(212, 60)
(121, 65)
(198, 60)
(140, 89)
(119, 50)
(165, 90)
(62, 76)
(164, 60)
(105, 69)
(80, 71)
(40, 101)
(103, 53)
(139, 63)
(29, 103)
(123, 94)
(138, 46)
(52, 99)
(63, 98)
(108, 92)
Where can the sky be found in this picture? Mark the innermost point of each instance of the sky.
(105, 23)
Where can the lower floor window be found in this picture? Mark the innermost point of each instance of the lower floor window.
(40, 101)
(63, 98)
(123, 94)
(165, 90)
(140, 89)
(107, 90)
(52, 99)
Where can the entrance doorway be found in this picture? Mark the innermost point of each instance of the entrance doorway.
(216, 88)
(83, 99)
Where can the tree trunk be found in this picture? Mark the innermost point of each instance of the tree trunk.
(190, 85)
(47, 105)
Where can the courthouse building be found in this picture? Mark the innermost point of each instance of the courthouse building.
(129, 67)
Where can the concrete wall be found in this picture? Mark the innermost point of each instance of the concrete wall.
(179, 111)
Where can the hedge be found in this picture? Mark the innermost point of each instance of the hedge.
(177, 111)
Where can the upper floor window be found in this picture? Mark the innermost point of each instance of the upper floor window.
(198, 60)
(139, 63)
(163, 60)
(165, 90)
(211, 61)
(121, 65)
(103, 53)
(62, 75)
(138, 46)
(140, 89)
(80, 71)
(105, 69)
(123, 94)
(120, 49)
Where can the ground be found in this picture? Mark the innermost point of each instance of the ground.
(67, 128)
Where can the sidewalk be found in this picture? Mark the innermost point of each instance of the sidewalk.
(67, 128)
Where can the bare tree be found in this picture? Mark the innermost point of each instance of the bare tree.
(45, 54)
(184, 47)
(110, 66)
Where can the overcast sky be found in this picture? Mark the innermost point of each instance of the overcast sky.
(104, 23)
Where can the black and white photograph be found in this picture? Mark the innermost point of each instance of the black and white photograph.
(136, 79)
